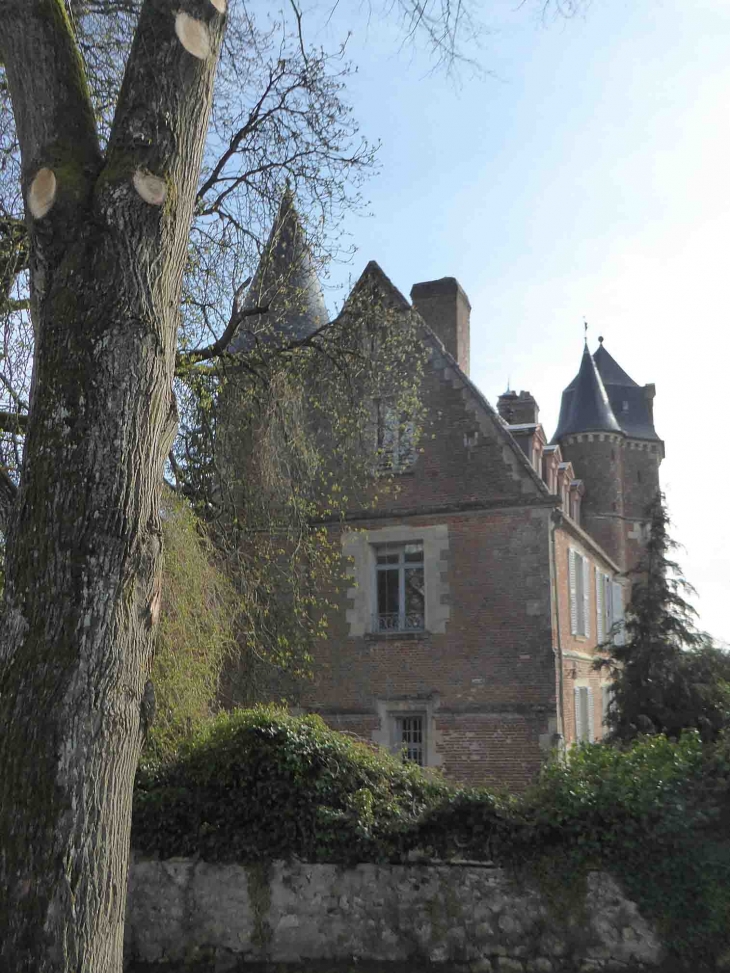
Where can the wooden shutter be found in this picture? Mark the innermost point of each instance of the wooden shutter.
(586, 597)
(573, 592)
(579, 722)
(617, 612)
(589, 715)
(600, 626)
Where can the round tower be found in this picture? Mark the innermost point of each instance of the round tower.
(592, 440)
(606, 430)
(633, 407)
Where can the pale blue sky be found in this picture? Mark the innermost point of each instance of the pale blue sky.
(590, 176)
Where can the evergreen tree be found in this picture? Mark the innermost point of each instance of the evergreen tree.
(667, 675)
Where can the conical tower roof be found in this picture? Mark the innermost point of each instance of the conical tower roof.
(628, 399)
(609, 369)
(585, 406)
(286, 282)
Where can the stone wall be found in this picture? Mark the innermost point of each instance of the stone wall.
(465, 918)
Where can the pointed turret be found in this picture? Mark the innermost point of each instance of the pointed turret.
(606, 429)
(286, 282)
(585, 406)
(632, 404)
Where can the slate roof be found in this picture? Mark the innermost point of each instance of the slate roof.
(286, 281)
(604, 398)
(628, 399)
(585, 406)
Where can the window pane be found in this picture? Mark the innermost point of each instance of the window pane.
(388, 591)
(413, 552)
(415, 601)
(385, 557)
(409, 731)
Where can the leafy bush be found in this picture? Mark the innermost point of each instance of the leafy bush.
(260, 784)
(656, 816)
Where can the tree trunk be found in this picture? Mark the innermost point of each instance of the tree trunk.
(83, 550)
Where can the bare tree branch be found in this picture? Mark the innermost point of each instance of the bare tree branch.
(12, 422)
(184, 359)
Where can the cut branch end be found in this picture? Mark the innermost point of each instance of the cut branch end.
(152, 189)
(42, 193)
(193, 35)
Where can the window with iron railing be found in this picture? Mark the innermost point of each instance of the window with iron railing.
(399, 588)
(410, 738)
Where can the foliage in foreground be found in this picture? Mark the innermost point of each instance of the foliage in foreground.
(667, 676)
(196, 632)
(656, 814)
(260, 784)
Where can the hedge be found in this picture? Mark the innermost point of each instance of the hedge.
(260, 785)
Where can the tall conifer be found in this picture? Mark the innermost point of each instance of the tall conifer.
(668, 676)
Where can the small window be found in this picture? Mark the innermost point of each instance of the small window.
(410, 739)
(399, 587)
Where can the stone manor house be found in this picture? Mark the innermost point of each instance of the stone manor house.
(481, 589)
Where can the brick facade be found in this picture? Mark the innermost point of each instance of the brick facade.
(470, 627)
(498, 675)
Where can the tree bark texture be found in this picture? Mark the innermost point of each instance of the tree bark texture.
(83, 547)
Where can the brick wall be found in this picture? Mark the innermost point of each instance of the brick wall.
(489, 677)
(598, 460)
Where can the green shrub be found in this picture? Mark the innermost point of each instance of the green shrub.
(655, 815)
(260, 784)
(471, 823)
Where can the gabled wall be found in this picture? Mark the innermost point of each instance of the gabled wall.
(482, 674)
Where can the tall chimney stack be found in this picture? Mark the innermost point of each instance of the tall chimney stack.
(445, 308)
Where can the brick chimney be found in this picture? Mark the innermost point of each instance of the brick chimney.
(517, 410)
(445, 308)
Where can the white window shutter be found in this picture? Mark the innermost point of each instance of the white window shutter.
(617, 613)
(579, 724)
(586, 598)
(573, 592)
(600, 627)
(589, 716)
